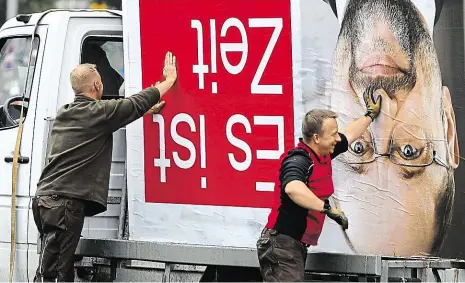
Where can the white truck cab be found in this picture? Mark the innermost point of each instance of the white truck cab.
(59, 38)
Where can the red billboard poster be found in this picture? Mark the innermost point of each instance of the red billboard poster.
(230, 116)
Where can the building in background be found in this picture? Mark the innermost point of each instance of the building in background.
(81, 4)
(32, 6)
(72, 4)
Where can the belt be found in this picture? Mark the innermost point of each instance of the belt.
(275, 233)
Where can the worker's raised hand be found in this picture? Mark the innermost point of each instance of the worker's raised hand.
(373, 104)
(169, 70)
(338, 216)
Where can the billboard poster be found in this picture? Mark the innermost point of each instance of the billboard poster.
(250, 70)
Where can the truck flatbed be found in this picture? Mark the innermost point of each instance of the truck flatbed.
(324, 265)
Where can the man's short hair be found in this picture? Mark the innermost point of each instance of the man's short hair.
(313, 122)
(82, 78)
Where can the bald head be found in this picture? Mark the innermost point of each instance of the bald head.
(86, 80)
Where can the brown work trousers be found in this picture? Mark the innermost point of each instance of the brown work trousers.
(281, 258)
(59, 221)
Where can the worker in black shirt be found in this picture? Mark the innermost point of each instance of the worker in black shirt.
(301, 193)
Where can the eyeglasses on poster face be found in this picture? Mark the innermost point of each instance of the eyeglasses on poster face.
(409, 145)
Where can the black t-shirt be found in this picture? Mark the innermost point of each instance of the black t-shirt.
(290, 218)
(297, 165)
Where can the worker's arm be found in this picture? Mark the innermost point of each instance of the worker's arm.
(356, 128)
(341, 146)
(373, 105)
(124, 111)
(157, 107)
(299, 193)
(121, 112)
(164, 86)
(294, 175)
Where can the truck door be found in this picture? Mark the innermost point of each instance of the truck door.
(99, 41)
(15, 46)
(106, 52)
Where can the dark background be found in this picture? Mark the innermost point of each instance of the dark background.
(449, 41)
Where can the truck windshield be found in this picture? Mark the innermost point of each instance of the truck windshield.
(14, 57)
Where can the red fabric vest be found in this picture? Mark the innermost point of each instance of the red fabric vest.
(321, 184)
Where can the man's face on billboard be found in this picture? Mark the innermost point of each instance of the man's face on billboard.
(396, 182)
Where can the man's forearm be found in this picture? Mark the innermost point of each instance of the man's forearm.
(302, 196)
(121, 112)
(164, 86)
(356, 128)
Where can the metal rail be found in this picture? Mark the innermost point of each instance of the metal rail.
(381, 267)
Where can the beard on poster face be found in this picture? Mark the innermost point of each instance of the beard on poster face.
(386, 38)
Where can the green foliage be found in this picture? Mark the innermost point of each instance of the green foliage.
(112, 4)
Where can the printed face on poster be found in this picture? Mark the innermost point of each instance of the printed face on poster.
(396, 182)
(247, 77)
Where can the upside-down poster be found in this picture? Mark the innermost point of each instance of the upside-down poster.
(248, 72)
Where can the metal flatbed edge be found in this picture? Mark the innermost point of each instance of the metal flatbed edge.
(367, 265)
(221, 256)
(424, 262)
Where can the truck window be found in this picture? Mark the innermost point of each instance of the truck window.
(107, 54)
(14, 57)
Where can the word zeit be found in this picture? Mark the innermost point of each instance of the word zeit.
(163, 162)
(201, 69)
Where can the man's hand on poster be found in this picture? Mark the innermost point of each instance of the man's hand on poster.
(373, 104)
(338, 216)
(157, 107)
(170, 73)
(169, 70)
(373, 99)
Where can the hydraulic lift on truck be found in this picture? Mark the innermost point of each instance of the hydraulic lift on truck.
(190, 188)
